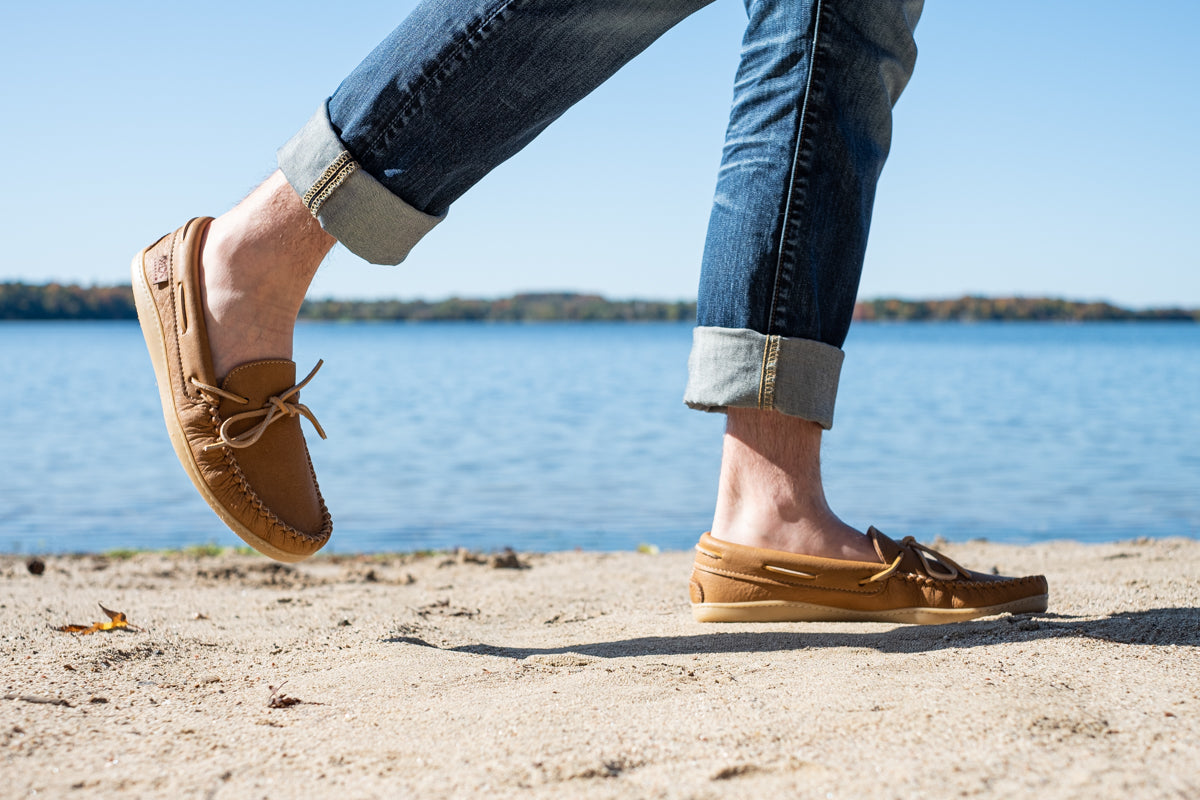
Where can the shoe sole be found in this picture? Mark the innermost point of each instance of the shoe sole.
(154, 334)
(784, 611)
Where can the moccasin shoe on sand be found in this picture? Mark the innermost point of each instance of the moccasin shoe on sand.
(911, 583)
(239, 437)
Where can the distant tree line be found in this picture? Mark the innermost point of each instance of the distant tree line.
(54, 301)
(542, 307)
(1012, 309)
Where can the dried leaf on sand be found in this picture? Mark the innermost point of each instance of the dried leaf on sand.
(116, 621)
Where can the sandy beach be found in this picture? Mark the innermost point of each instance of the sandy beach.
(583, 675)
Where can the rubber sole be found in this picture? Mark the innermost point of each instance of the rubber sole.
(153, 333)
(784, 611)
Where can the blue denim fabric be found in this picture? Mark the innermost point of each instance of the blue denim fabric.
(807, 137)
(462, 85)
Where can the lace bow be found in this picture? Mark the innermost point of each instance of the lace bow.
(925, 554)
(276, 408)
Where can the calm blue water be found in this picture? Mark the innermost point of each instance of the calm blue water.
(557, 436)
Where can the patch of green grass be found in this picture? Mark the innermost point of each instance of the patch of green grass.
(210, 550)
(428, 553)
(121, 553)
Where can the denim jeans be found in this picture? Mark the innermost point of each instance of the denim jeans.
(461, 85)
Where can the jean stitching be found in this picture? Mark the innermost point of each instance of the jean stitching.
(337, 181)
(334, 176)
(794, 172)
(766, 382)
(438, 73)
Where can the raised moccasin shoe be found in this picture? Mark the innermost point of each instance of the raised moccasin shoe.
(909, 584)
(237, 437)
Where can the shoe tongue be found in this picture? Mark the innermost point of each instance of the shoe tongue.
(888, 549)
(258, 380)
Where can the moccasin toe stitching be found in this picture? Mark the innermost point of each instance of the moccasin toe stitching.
(239, 485)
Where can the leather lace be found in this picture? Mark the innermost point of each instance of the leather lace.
(951, 571)
(276, 408)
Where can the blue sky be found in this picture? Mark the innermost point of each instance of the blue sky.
(1041, 148)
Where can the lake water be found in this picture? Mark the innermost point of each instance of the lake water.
(557, 436)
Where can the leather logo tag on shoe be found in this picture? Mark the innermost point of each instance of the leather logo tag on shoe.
(160, 270)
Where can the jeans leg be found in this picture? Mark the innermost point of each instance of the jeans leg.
(456, 89)
(807, 137)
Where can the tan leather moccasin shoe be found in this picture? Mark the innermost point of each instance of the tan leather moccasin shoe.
(238, 438)
(911, 583)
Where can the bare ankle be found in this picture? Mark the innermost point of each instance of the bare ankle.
(770, 493)
(257, 261)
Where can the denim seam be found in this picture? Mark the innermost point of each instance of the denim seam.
(727, 365)
(437, 74)
(770, 366)
(334, 176)
(794, 173)
(346, 199)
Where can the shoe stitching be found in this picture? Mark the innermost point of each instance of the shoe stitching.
(178, 354)
(252, 365)
(882, 575)
(277, 524)
(920, 580)
(1001, 581)
(279, 527)
(176, 240)
(326, 517)
(899, 612)
(887, 612)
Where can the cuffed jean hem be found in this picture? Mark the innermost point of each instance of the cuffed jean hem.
(350, 204)
(740, 368)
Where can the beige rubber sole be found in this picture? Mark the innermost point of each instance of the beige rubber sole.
(783, 611)
(153, 332)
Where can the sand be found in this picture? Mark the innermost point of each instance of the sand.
(583, 675)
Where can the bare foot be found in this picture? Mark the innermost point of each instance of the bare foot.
(770, 493)
(257, 261)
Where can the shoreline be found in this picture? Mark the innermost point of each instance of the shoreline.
(72, 301)
(484, 555)
(583, 674)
